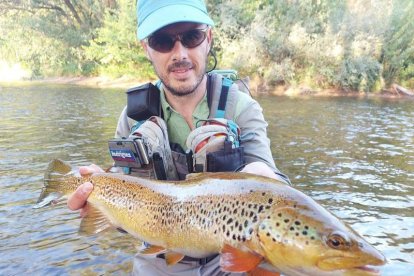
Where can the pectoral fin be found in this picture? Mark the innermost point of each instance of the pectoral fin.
(171, 258)
(236, 260)
(94, 222)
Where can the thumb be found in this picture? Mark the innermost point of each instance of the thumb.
(79, 198)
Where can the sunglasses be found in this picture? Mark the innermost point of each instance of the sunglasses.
(164, 43)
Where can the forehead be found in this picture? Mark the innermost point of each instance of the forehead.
(180, 27)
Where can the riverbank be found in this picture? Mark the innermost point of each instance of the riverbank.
(256, 87)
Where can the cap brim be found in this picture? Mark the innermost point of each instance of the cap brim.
(171, 14)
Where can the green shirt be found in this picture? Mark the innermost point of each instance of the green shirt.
(178, 129)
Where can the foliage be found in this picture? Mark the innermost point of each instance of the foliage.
(360, 74)
(350, 44)
(47, 35)
(116, 50)
(346, 44)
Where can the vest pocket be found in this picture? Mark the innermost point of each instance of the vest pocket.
(227, 160)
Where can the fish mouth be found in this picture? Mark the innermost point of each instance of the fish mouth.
(367, 270)
(350, 266)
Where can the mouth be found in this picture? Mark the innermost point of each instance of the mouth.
(369, 269)
(181, 73)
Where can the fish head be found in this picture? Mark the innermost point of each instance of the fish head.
(299, 240)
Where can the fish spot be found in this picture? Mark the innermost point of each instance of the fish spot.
(255, 219)
(277, 224)
(270, 200)
(279, 215)
(263, 194)
(297, 222)
(246, 223)
(234, 237)
(304, 232)
(230, 220)
(306, 227)
(286, 220)
(292, 228)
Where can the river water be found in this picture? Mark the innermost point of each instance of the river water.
(354, 156)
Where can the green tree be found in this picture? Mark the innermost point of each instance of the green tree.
(116, 50)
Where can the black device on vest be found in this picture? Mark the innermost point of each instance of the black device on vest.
(143, 102)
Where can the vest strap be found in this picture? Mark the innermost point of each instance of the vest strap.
(225, 87)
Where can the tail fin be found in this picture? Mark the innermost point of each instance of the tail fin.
(54, 182)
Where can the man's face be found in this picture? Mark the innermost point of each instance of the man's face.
(182, 69)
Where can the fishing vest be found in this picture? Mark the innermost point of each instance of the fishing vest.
(222, 97)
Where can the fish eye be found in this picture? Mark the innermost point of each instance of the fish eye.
(338, 241)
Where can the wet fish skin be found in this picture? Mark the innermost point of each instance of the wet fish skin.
(235, 214)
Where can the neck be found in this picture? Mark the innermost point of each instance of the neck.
(185, 105)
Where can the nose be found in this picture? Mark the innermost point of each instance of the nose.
(179, 52)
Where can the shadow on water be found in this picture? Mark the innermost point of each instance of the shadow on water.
(356, 157)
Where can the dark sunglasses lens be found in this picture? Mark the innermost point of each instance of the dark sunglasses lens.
(161, 42)
(193, 38)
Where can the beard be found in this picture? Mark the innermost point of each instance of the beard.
(182, 88)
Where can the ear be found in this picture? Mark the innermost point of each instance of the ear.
(210, 39)
(145, 47)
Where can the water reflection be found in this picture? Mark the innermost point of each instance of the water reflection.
(356, 157)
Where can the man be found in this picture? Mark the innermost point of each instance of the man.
(177, 37)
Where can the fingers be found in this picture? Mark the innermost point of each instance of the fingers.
(78, 199)
(90, 169)
(259, 168)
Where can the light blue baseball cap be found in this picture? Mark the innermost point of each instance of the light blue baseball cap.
(156, 14)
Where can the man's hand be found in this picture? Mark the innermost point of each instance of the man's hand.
(78, 199)
(260, 168)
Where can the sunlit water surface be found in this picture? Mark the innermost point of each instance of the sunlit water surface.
(354, 156)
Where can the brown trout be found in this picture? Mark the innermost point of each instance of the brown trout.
(255, 223)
